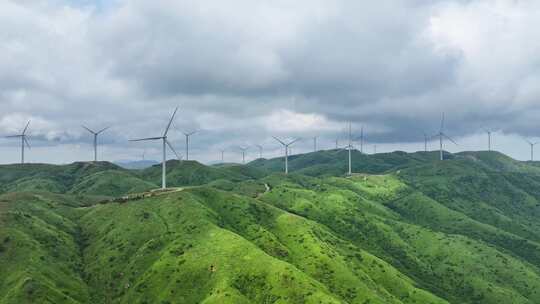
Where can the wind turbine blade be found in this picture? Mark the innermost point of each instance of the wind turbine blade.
(149, 138)
(172, 149)
(26, 128)
(279, 140)
(103, 130)
(292, 142)
(170, 122)
(11, 136)
(190, 133)
(442, 122)
(26, 142)
(450, 139)
(87, 129)
(528, 141)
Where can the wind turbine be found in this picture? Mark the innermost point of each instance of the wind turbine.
(24, 140)
(362, 139)
(95, 138)
(260, 150)
(532, 147)
(350, 147)
(315, 143)
(187, 135)
(286, 146)
(243, 149)
(442, 135)
(222, 155)
(489, 138)
(426, 138)
(165, 144)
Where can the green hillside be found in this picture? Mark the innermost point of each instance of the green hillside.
(181, 173)
(52, 178)
(107, 179)
(406, 228)
(335, 162)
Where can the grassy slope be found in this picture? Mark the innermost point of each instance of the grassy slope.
(462, 231)
(51, 178)
(39, 254)
(260, 253)
(195, 173)
(465, 267)
(107, 179)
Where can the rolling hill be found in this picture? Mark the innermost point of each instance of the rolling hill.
(406, 228)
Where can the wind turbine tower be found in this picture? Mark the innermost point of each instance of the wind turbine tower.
(260, 150)
(362, 139)
(532, 147)
(426, 138)
(166, 143)
(24, 140)
(441, 136)
(222, 155)
(243, 149)
(350, 147)
(187, 135)
(96, 134)
(315, 143)
(286, 146)
(489, 138)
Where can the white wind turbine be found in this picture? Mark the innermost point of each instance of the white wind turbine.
(24, 140)
(532, 147)
(286, 146)
(165, 144)
(349, 148)
(222, 155)
(95, 138)
(488, 131)
(260, 147)
(362, 139)
(187, 135)
(315, 143)
(243, 149)
(442, 135)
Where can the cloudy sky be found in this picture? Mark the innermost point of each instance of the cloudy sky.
(242, 71)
